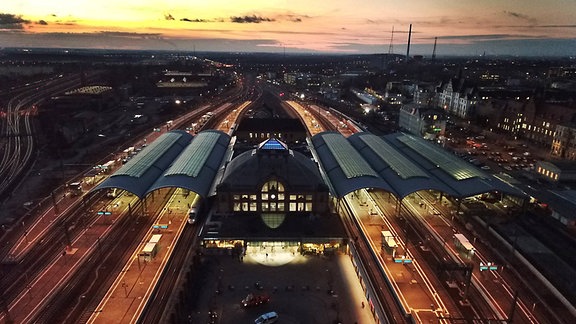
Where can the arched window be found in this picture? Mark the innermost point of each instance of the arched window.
(272, 196)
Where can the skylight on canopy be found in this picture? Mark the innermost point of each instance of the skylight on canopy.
(397, 162)
(351, 162)
(194, 157)
(450, 164)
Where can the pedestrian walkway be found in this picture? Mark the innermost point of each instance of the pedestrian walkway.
(302, 288)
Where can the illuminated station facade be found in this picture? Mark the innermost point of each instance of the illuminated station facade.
(272, 198)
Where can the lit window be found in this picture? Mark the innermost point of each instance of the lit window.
(300, 206)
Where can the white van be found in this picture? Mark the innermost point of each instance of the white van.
(267, 318)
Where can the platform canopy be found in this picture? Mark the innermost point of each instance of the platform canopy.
(401, 164)
(196, 167)
(175, 159)
(344, 168)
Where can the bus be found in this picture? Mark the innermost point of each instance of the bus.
(195, 209)
(464, 245)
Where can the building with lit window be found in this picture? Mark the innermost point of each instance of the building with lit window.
(457, 97)
(564, 142)
(422, 121)
(272, 179)
(557, 171)
(257, 130)
(273, 199)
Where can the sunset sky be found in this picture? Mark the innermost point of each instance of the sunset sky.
(463, 27)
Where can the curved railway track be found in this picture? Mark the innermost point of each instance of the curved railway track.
(18, 130)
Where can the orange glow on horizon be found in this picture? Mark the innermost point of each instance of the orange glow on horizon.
(341, 25)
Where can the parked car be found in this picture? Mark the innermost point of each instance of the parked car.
(255, 300)
(267, 318)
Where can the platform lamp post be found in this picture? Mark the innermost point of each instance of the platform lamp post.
(54, 202)
(66, 235)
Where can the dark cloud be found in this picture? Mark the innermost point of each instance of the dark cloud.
(127, 34)
(293, 17)
(521, 16)
(10, 21)
(42, 22)
(250, 19)
(197, 20)
(555, 26)
(253, 19)
(485, 37)
(66, 23)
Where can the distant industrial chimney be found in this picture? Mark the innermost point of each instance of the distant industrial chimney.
(408, 49)
(434, 50)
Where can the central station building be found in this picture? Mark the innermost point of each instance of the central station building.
(271, 198)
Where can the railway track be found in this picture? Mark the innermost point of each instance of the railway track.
(158, 304)
(391, 306)
(77, 300)
(47, 249)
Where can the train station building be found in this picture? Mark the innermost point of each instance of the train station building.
(271, 198)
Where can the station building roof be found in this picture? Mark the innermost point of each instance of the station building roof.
(175, 159)
(399, 163)
(272, 157)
